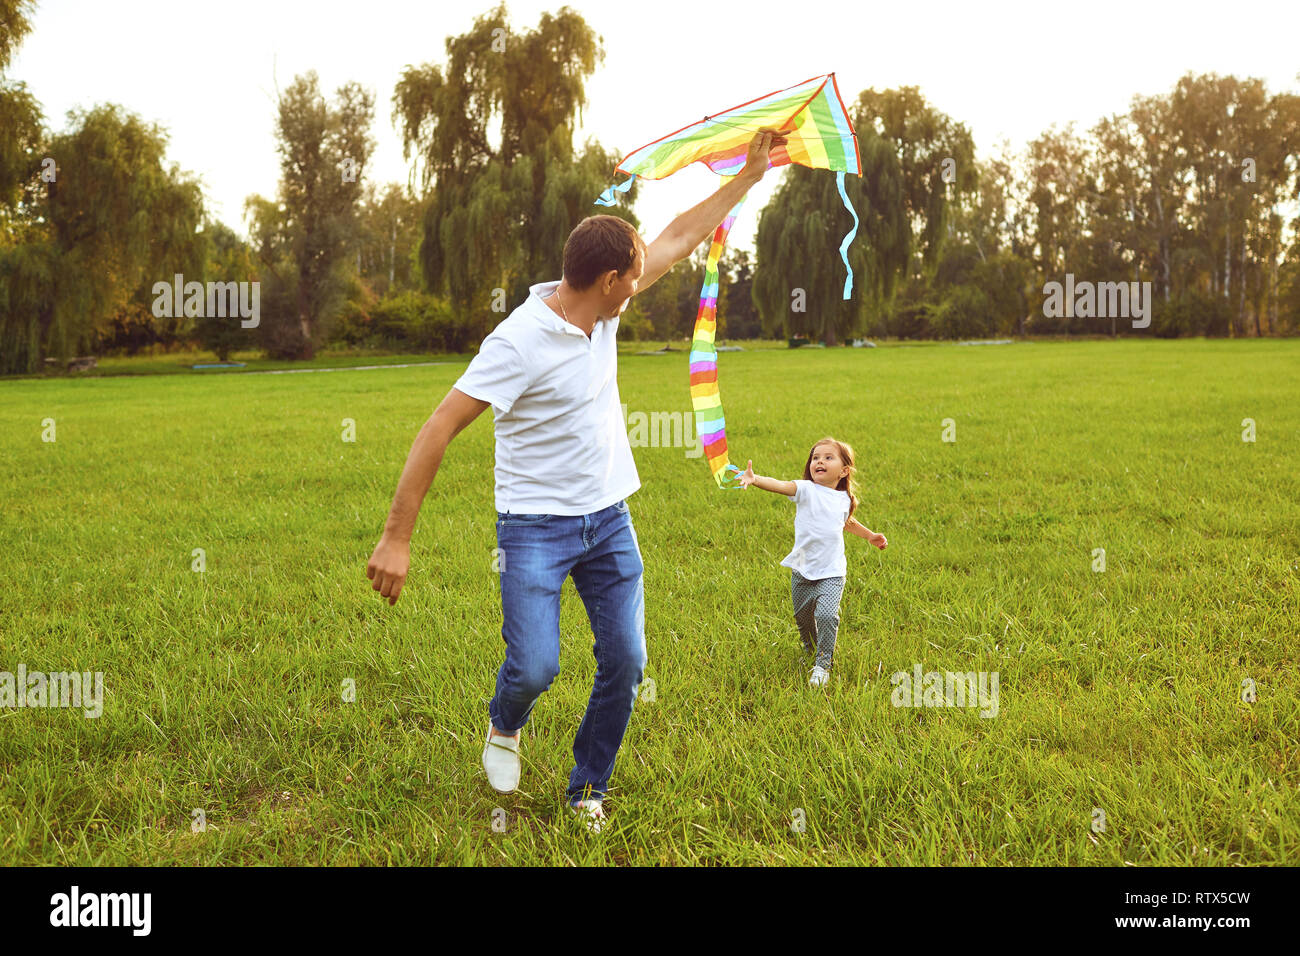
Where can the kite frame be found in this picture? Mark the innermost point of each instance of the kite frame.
(824, 77)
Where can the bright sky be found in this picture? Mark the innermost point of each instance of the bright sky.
(208, 72)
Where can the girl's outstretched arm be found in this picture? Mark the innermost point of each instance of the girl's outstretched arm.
(854, 526)
(747, 478)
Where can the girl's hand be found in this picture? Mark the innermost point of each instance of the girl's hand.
(878, 540)
(746, 477)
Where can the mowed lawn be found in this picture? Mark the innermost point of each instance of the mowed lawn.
(1121, 734)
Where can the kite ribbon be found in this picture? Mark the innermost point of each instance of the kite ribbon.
(844, 246)
(607, 198)
(710, 426)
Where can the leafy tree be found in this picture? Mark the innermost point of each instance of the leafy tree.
(1161, 192)
(27, 269)
(323, 153)
(25, 253)
(990, 216)
(1188, 194)
(1288, 300)
(799, 275)
(229, 260)
(936, 156)
(388, 237)
(990, 221)
(14, 26)
(738, 318)
(916, 162)
(1130, 235)
(121, 222)
(500, 211)
(20, 116)
(799, 281)
(1058, 198)
(84, 258)
(271, 243)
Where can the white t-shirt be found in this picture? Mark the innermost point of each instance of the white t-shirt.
(819, 517)
(561, 445)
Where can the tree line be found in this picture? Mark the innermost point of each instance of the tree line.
(1193, 191)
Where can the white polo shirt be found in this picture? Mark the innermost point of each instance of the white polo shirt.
(561, 446)
(819, 517)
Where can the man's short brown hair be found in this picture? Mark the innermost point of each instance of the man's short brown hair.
(597, 245)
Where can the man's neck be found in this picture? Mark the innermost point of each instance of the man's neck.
(569, 306)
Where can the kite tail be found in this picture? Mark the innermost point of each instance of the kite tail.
(608, 197)
(710, 426)
(844, 246)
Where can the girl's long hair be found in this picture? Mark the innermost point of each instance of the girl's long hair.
(846, 483)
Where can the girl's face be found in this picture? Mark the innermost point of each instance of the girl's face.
(826, 466)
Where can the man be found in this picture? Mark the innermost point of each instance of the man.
(564, 470)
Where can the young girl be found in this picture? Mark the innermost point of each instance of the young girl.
(824, 505)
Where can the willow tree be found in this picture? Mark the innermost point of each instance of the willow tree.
(122, 219)
(14, 26)
(936, 155)
(89, 220)
(24, 249)
(20, 116)
(916, 163)
(113, 220)
(500, 207)
(798, 283)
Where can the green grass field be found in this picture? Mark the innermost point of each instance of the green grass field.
(1120, 690)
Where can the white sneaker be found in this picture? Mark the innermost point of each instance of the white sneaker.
(819, 676)
(592, 812)
(501, 761)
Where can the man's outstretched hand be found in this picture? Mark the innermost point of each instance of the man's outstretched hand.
(388, 567)
(759, 147)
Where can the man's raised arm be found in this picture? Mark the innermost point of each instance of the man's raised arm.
(391, 559)
(698, 223)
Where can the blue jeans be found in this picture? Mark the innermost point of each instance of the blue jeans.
(537, 552)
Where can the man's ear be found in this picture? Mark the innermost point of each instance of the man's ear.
(607, 281)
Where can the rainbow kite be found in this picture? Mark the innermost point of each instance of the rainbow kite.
(812, 118)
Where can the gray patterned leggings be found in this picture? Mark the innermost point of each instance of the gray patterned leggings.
(817, 612)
